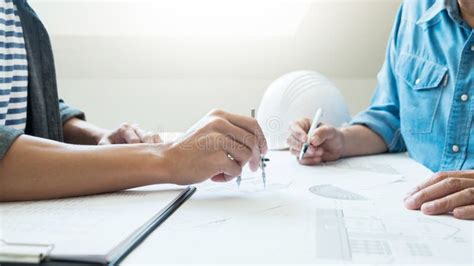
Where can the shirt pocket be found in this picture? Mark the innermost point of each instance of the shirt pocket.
(420, 92)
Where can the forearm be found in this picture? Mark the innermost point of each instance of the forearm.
(77, 131)
(360, 140)
(41, 169)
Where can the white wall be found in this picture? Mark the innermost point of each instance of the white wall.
(165, 63)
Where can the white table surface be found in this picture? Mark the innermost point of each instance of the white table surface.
(225, 225)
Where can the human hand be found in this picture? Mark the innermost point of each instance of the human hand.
(129, 134)
(326, 144)
(217, 147)
(445, 192)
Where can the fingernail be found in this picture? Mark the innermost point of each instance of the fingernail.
(458, 213)
(410, 202)
(428, 207)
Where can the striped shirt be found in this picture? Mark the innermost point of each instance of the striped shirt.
(13, 68)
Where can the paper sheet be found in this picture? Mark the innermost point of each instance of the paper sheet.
(285, 223)
(82, 226)
(371, 236)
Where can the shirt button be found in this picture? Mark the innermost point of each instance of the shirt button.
(472, 48)
(455, 148)
(464, 97)
(417, 81)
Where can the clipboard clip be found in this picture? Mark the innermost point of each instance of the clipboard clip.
(24, 252)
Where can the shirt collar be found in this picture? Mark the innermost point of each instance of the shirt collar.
(451, 6)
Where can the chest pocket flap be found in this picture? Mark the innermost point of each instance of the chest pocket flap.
(420, 90)
(421, 74)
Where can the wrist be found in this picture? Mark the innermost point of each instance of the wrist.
(157, 163)
(344, 141)
(98, 134)
(78, 131)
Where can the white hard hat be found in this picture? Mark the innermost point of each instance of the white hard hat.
(298, 95)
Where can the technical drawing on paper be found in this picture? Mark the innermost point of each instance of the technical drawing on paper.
(360, 236)
(361, 165)
(333, 192)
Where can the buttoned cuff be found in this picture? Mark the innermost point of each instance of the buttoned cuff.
(8, 135)
(388, 130)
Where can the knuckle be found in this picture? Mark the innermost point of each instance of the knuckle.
(325, 128)
(439, 176)
(324, 132)
(452, 183)
(470, 194)
(251, 141)
(122, 130)
(442, 204)
(421, 197)
(125, 125)
(217, 123)
(217, 112)
(303, 123)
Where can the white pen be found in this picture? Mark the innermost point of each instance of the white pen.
(314, 125)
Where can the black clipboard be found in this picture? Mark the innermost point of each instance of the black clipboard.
(121, 251)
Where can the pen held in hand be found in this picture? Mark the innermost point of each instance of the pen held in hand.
(314, 125)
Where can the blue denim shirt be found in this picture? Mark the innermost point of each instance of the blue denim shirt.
(424, 100)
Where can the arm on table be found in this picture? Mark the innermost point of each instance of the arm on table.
(361, 140)
(35, 168)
